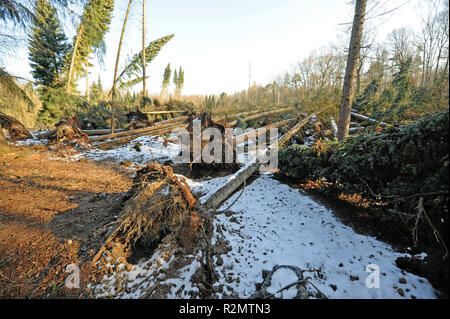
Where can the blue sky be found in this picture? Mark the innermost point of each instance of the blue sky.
(215, 40)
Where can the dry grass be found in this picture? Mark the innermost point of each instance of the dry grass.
(33, 190)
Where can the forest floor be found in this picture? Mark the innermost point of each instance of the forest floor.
(55, 210)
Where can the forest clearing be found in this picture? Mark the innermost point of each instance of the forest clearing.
(329, 182)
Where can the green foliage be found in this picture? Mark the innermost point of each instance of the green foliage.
(364, 101)
(8, 84)
(166, 77)
(96, 93)
(19, 101)
(401, 100)
(303, 163)
(47, 46)
(131, 74)
(401, 161)
(210, 103)
(241, 124)
(96, 115)
(173, 105)
(57, 103)
(94, 24)
(16, 12)
(395, 101)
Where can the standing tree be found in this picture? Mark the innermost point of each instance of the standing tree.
(96, 91)
(178, 80)
(350, 71)
(175, 81)
(47, 49)
(116, 68)
(165, 83)
(144, 82)
(47, 46)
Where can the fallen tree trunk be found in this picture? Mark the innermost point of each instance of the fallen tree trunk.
(365, 118)
(170, 122)
(14, 129)
(222, 194)
(155, 127)
(233, 116)
(214, 201)
(295, 129)
(258, 115)
(100, 132)
(254, 133)
(126, 139)
(164, 112)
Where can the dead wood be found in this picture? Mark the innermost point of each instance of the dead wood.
(13, 129)
(227, 143)
(295, 130)
(68, 130)
(137, 120)
(157, 126)
(258, 115)
(159, 207)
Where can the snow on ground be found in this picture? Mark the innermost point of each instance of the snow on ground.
(137, 279)
(270, 224)
(274, 224)
(32, 141)
(151, 147)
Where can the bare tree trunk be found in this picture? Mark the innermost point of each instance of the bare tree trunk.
(144, 89)
(87, 79)
(352, 63)
(113, 90)
(72, 62)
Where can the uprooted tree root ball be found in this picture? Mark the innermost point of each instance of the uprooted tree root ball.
(12, 128)
(159, 207)
(200, 169)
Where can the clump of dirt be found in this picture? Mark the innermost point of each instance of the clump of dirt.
(197, 168)
(160, 205)
(137, 120)
(12, 128)
(68, 130)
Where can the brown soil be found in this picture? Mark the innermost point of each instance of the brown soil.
(52, 213)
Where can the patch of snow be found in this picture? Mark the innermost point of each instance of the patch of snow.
(151, 147)
(274, 224)
(32, 141)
